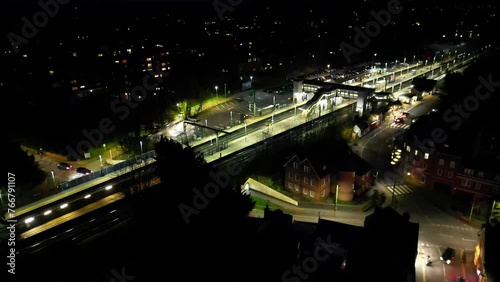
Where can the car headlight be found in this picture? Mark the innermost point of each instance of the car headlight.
(448, 261)
(441, 258)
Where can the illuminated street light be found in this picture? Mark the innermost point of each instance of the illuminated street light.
(216, 93)
(87, 196)
(140, 142)
(108, 187)
(53, 177)
(29, 219)
(47, 212)
(63, 206)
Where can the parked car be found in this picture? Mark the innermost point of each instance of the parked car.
(83, 170)
(399, 120)
(405, 114)
(448, 255)
(64, 166)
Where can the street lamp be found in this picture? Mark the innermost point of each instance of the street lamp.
(100, 159)
(373, 62)
(53, 177)
(245, 131)
(216, 93)
(140, 142)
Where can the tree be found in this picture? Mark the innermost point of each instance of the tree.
(216, 222)
(21, 164)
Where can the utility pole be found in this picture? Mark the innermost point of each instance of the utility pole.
(472, 208)
(336, 196)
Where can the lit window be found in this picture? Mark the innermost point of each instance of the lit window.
(290, 185)
(416, 152)
(296, 187)
(311, 193)
(469, 171)
(304, 191)
(408, 149)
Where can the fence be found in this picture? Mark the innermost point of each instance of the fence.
(116, 168)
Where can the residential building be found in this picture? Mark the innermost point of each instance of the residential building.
(318, 175)
(309, 178)
(486, 255)
(462, 164)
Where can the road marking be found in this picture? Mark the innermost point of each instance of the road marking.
(446, 235)
(465, 239)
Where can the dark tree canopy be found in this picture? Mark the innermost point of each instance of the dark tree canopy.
(21, 163)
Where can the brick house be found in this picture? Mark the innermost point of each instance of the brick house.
(354, 176)
(309, 178)
(315, 177)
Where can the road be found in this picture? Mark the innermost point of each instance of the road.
(438, 229)
(374, 147)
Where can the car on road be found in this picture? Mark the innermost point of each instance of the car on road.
(405, 114)
(239, 99)
(399, 120)
(448, 255)
(64, 166)
(83, 170)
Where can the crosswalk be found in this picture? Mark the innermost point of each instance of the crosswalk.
(399, 125)
(399, 190)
